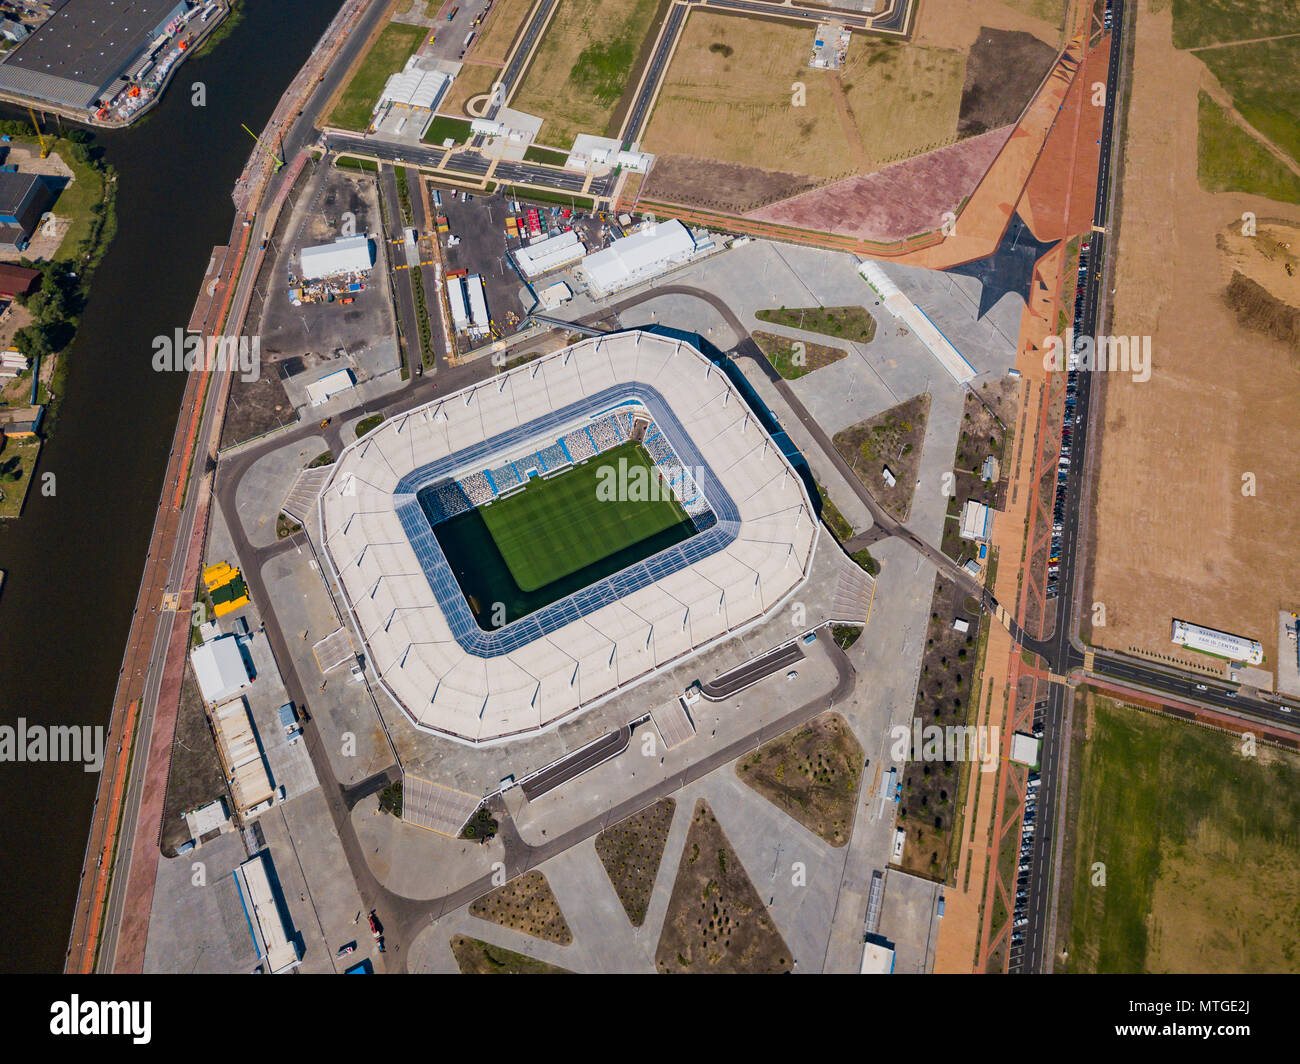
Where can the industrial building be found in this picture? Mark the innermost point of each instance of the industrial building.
(976, 521)
(330, 385)
(219, 668)
(549, 253)
(348, 254)
(1219, 644)
(17, 281)
(411, 94)
(241, 757)
(638, 257)
(274, 940)
(23, 199)
(81, 56)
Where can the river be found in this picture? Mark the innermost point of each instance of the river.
(74, 560)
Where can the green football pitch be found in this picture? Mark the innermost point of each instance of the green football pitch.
(555, 527)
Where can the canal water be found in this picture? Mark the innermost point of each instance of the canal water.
(74, 560)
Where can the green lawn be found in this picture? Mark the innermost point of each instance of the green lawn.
(1198, 846)
(19, 455)
(1230, 160)
(846, 323)
(1201, 22)
(555, 527)
(442, 127)
(394, 46)
(1261, 79)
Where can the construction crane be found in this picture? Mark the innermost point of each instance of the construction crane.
(45, 151)
(279, 162)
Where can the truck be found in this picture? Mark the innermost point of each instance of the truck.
(453, 13)
(289, 720)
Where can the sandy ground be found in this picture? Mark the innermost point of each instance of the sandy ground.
(1175, 536)
(956, 23)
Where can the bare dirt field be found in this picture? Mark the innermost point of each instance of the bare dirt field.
(582, 64)
(526, 904)
(959, 23)
(899, 201)
(499, 31)
(1175, 534)
(724, 186)
(716, 922)
(474, 80)
(892, 439)
(810, 773)
(1003, 70)
(727, 95)
(631, 851)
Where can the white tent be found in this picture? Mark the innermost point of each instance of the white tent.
(219, 668)
(639, 256)
(349, 254)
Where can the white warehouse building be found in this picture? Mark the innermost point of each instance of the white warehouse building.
(349, 254)
(552, 253)
(1220, 644)
(639, 257)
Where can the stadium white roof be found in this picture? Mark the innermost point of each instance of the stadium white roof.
(636, 257)
(348, 254)
(450, 676)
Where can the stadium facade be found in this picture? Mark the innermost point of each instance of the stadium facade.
(755, 534)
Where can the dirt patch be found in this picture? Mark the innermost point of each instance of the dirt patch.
(1003, 70)
(477, 957)
(755, 100)
(983, 436)
(631, 851)
(890, 440)
(194, 776)
(811, 774)
(722, 186)
(899, 201)
(716, 922)
(1259, 310)
(930, 784)
(526, 904)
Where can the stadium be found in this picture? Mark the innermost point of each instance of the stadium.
(525, 548)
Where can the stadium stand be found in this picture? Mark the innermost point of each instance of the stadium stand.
(579, 445)
(477, 489)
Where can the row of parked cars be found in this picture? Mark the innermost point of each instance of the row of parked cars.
(1067, 428)
(1020, 908)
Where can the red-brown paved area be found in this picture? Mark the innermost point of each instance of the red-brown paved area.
(902, 200)
(1062, 191)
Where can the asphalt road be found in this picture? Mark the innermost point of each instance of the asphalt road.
(1060, 649)
(575, 764)
(746, 675)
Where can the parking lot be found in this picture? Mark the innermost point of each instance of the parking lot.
(302, 343)
(477, 242)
